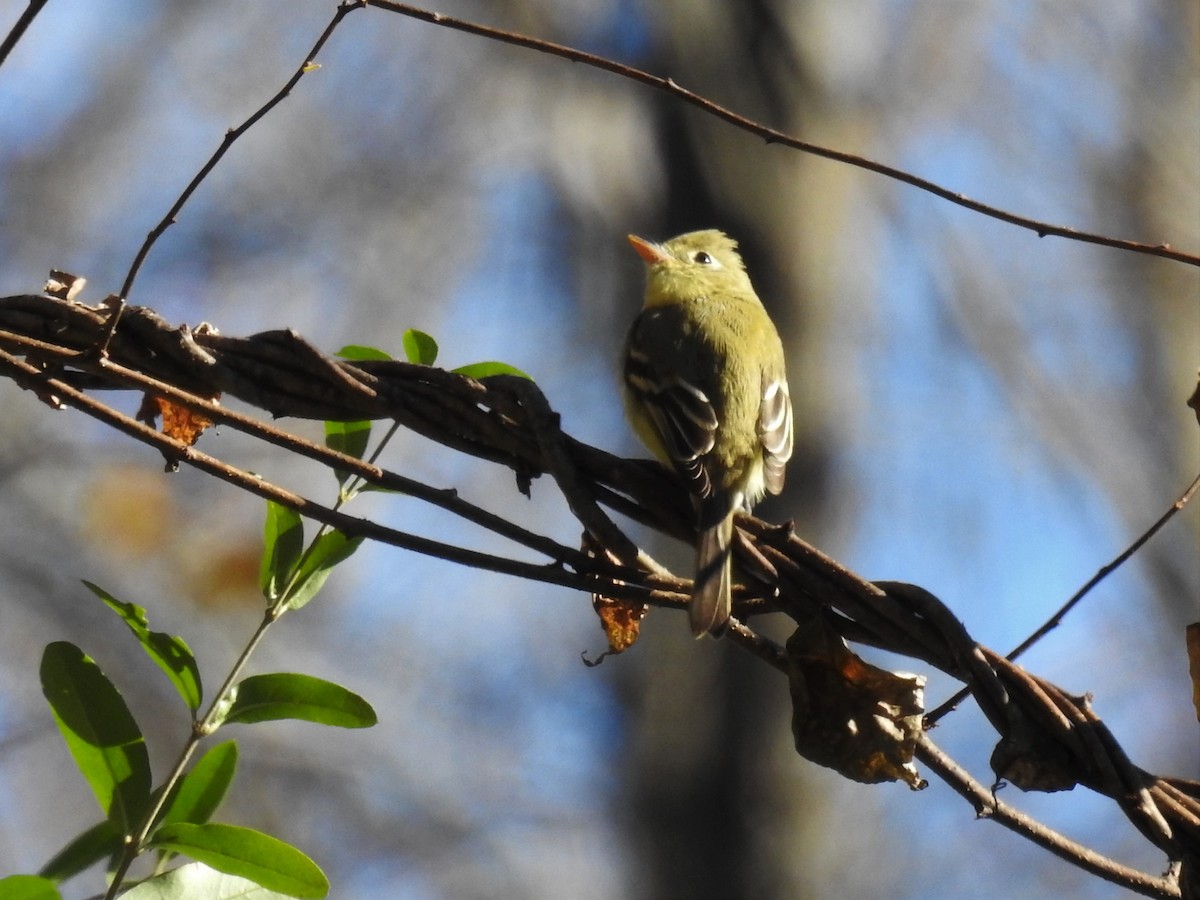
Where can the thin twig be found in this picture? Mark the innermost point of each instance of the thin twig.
(201, 728)
(631, 586)
(772, 136)
(987, 805)
(19, 27)
(231, 136)
(1055, 620)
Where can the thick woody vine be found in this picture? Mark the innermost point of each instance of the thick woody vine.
(1047, 739)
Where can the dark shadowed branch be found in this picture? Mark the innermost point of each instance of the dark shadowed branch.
(1048, 739)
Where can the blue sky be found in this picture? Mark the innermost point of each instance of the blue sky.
(947, 479)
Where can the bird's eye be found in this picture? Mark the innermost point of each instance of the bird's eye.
(703, 258)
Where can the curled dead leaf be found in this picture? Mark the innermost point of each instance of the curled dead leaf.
(620, 620)
(64, 285)
(1032, 761)
(179, 422)
(849, 715)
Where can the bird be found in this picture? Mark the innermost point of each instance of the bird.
(706, 390)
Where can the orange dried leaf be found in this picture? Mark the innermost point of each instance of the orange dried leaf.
(178, 422)
(620, 620)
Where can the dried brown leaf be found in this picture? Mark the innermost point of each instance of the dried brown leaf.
(178, 422)
(620, 620)
(849, 715)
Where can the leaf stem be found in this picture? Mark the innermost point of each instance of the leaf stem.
(201, 728)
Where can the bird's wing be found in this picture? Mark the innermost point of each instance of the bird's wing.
(775, 431)
(681, 413)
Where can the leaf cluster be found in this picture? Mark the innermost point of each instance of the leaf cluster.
(109, 748)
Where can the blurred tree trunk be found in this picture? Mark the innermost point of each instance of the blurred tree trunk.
(704, 792)
(718, 804)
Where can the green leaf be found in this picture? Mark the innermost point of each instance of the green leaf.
(283, 542)
(171, 654)
(28, 887)
(283, 695)
(200, 791)
(350, 438)
(484, 369)
(100, 732)
(420, 347)
(247, 853)
(357, 352)
(101, 840)
(196, 880)
(329, 549)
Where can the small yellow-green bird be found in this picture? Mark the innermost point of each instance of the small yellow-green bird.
(706, 390)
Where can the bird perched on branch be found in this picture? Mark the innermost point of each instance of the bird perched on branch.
(706, 391)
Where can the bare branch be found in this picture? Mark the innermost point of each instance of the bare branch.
(1048, 739)
(1055, 620)
(227, 141)
(987, 805)
(772, 136)
(19, 27)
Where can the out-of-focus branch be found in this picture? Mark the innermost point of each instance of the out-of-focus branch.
(773, 136)
(1048, 739)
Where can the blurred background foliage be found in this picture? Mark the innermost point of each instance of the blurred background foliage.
(981, 412)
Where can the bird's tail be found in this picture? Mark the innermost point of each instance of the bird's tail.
(712, 591)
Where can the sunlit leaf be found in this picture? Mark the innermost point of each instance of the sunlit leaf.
(283, 695)
(100, 732)
(419, 347)
(28, 887)
(247, 853)
(171, 654)
(329, 549)
(355, 352)
(283, 542)
(484, 369)
(196, 880)
(202, 787)
(350, 438)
